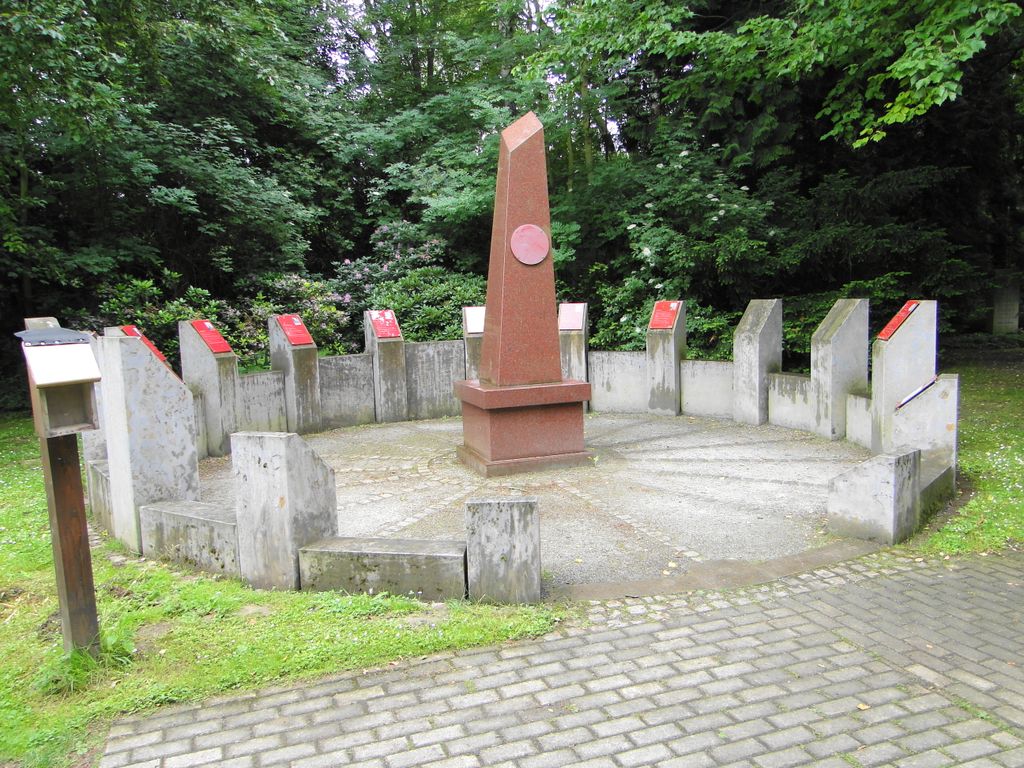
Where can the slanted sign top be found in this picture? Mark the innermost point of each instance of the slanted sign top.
(385, 324)
(571, 316)
(473, 319)
(134, 332)
(294, 330)
(663, 318)
(898, 319)
(211, 336)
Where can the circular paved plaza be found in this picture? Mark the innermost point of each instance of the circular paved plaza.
(661, 495)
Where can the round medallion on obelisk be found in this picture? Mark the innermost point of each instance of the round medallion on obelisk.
(530, 244)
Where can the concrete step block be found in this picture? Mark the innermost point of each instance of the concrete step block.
(879, 499)
(425, 569)
(192, 532)
(503, 550)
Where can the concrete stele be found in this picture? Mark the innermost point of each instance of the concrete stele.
(666, 347)
(473, 319)
(214, 376)
(756, 351)
(299, 363)
(503, 550)
(285, 498)
(839, 365)
(572, 340)
(878, 500)
(151, 435)
(431, 368)
(928, 422)
(391, 398)
(901, 365)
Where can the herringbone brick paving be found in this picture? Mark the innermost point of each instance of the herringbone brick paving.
(882, 661)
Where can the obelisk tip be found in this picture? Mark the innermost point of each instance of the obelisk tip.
(521, 130)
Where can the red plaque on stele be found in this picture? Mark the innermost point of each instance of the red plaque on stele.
(134, 332)
(211, 336)
(385, 324)
(663, 318)
(898, 319)
(294, 330)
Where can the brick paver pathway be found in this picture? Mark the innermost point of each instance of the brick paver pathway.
(883, 661)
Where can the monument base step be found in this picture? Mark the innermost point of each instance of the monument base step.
(425, 569)
(194, 532)
(503, 467)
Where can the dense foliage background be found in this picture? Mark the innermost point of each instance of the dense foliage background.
(234, 158)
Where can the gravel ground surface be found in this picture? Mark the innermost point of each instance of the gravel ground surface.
(662, 494)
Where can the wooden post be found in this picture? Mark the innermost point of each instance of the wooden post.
(59, 416)
(70, 537)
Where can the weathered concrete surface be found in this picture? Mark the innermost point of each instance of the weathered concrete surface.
(261, 402)
(151, 435)
(284, 499)
(346, 390)
(199, 534)
(900, 366)
(662, 495)
(858, 420)
(391, 399)
(473, 337)
(94, 442)
(424, 569)
(879, 500)
(301, 370)
(665, 350)
(839, 365)
(431, 369)
(756, 352)
(790, 401)
(572, 342)
(1006, 306)
(97, 479)
(707, 388)
(503, 550)
(215, 378)
(929, 422)
(618, 382)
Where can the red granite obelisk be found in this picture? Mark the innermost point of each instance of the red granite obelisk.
(520, 415)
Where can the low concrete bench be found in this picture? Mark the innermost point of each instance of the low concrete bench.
(427, 570)
(194, 532)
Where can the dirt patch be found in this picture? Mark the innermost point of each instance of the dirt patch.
(50, 628)
(438, 613)
(148, 636)
(255, 610)
(11, 593)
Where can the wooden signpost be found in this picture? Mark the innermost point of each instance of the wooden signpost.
(61, 373)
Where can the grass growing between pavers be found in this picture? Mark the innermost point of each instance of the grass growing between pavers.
(991, 458)
(173, 636)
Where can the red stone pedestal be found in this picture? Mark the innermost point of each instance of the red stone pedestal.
(522, 428)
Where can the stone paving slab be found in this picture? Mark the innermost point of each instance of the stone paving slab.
(882, 661)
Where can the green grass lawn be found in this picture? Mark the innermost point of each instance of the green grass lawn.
(169, 635)
(991, 460)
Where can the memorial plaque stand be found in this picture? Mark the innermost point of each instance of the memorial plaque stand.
(293, 352)
(63, 403)
(520, 414)
(666, 347)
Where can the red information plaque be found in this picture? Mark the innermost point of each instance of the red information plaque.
(211, 336)
(385, 324)
(898, 319)
(294, 330)
(663, 318)
(133, 330)
(570, 316)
